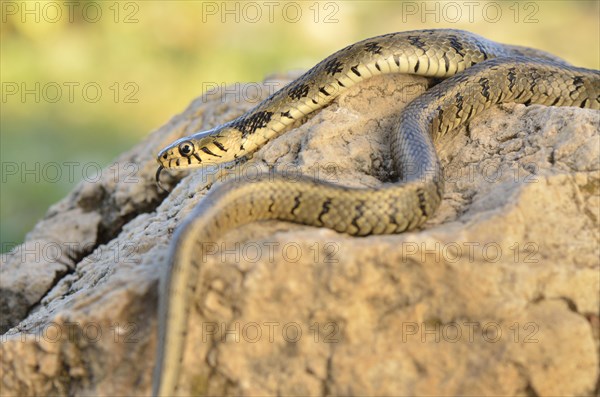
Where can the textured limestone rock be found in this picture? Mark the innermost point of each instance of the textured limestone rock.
(496, 295)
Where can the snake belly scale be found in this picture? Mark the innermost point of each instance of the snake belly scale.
(477, 73)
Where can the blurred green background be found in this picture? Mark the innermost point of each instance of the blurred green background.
(151, 58)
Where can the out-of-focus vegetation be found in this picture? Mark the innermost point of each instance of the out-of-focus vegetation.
(151, 58)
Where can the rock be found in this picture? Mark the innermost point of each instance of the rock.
(496, 294)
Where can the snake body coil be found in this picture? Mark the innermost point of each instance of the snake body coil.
(485, 73)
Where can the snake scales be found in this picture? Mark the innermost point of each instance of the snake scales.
(485, 73)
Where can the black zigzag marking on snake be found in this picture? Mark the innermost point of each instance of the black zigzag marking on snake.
(359, 208)
(457, 45)
(416, 41)
(299, 91)
(373, 47)
(325, 209)
(250, 124)
(512, 78)
(333, 67)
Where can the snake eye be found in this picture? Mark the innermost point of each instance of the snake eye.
(186, 148)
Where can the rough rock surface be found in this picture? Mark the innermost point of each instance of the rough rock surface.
(498, 294)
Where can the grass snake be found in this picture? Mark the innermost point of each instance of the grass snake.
(475, 74)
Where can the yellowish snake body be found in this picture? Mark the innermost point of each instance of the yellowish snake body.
(478, 73)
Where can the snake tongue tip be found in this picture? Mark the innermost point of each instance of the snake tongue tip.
(157, 177)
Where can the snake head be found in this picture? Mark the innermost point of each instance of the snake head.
(203, 148)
